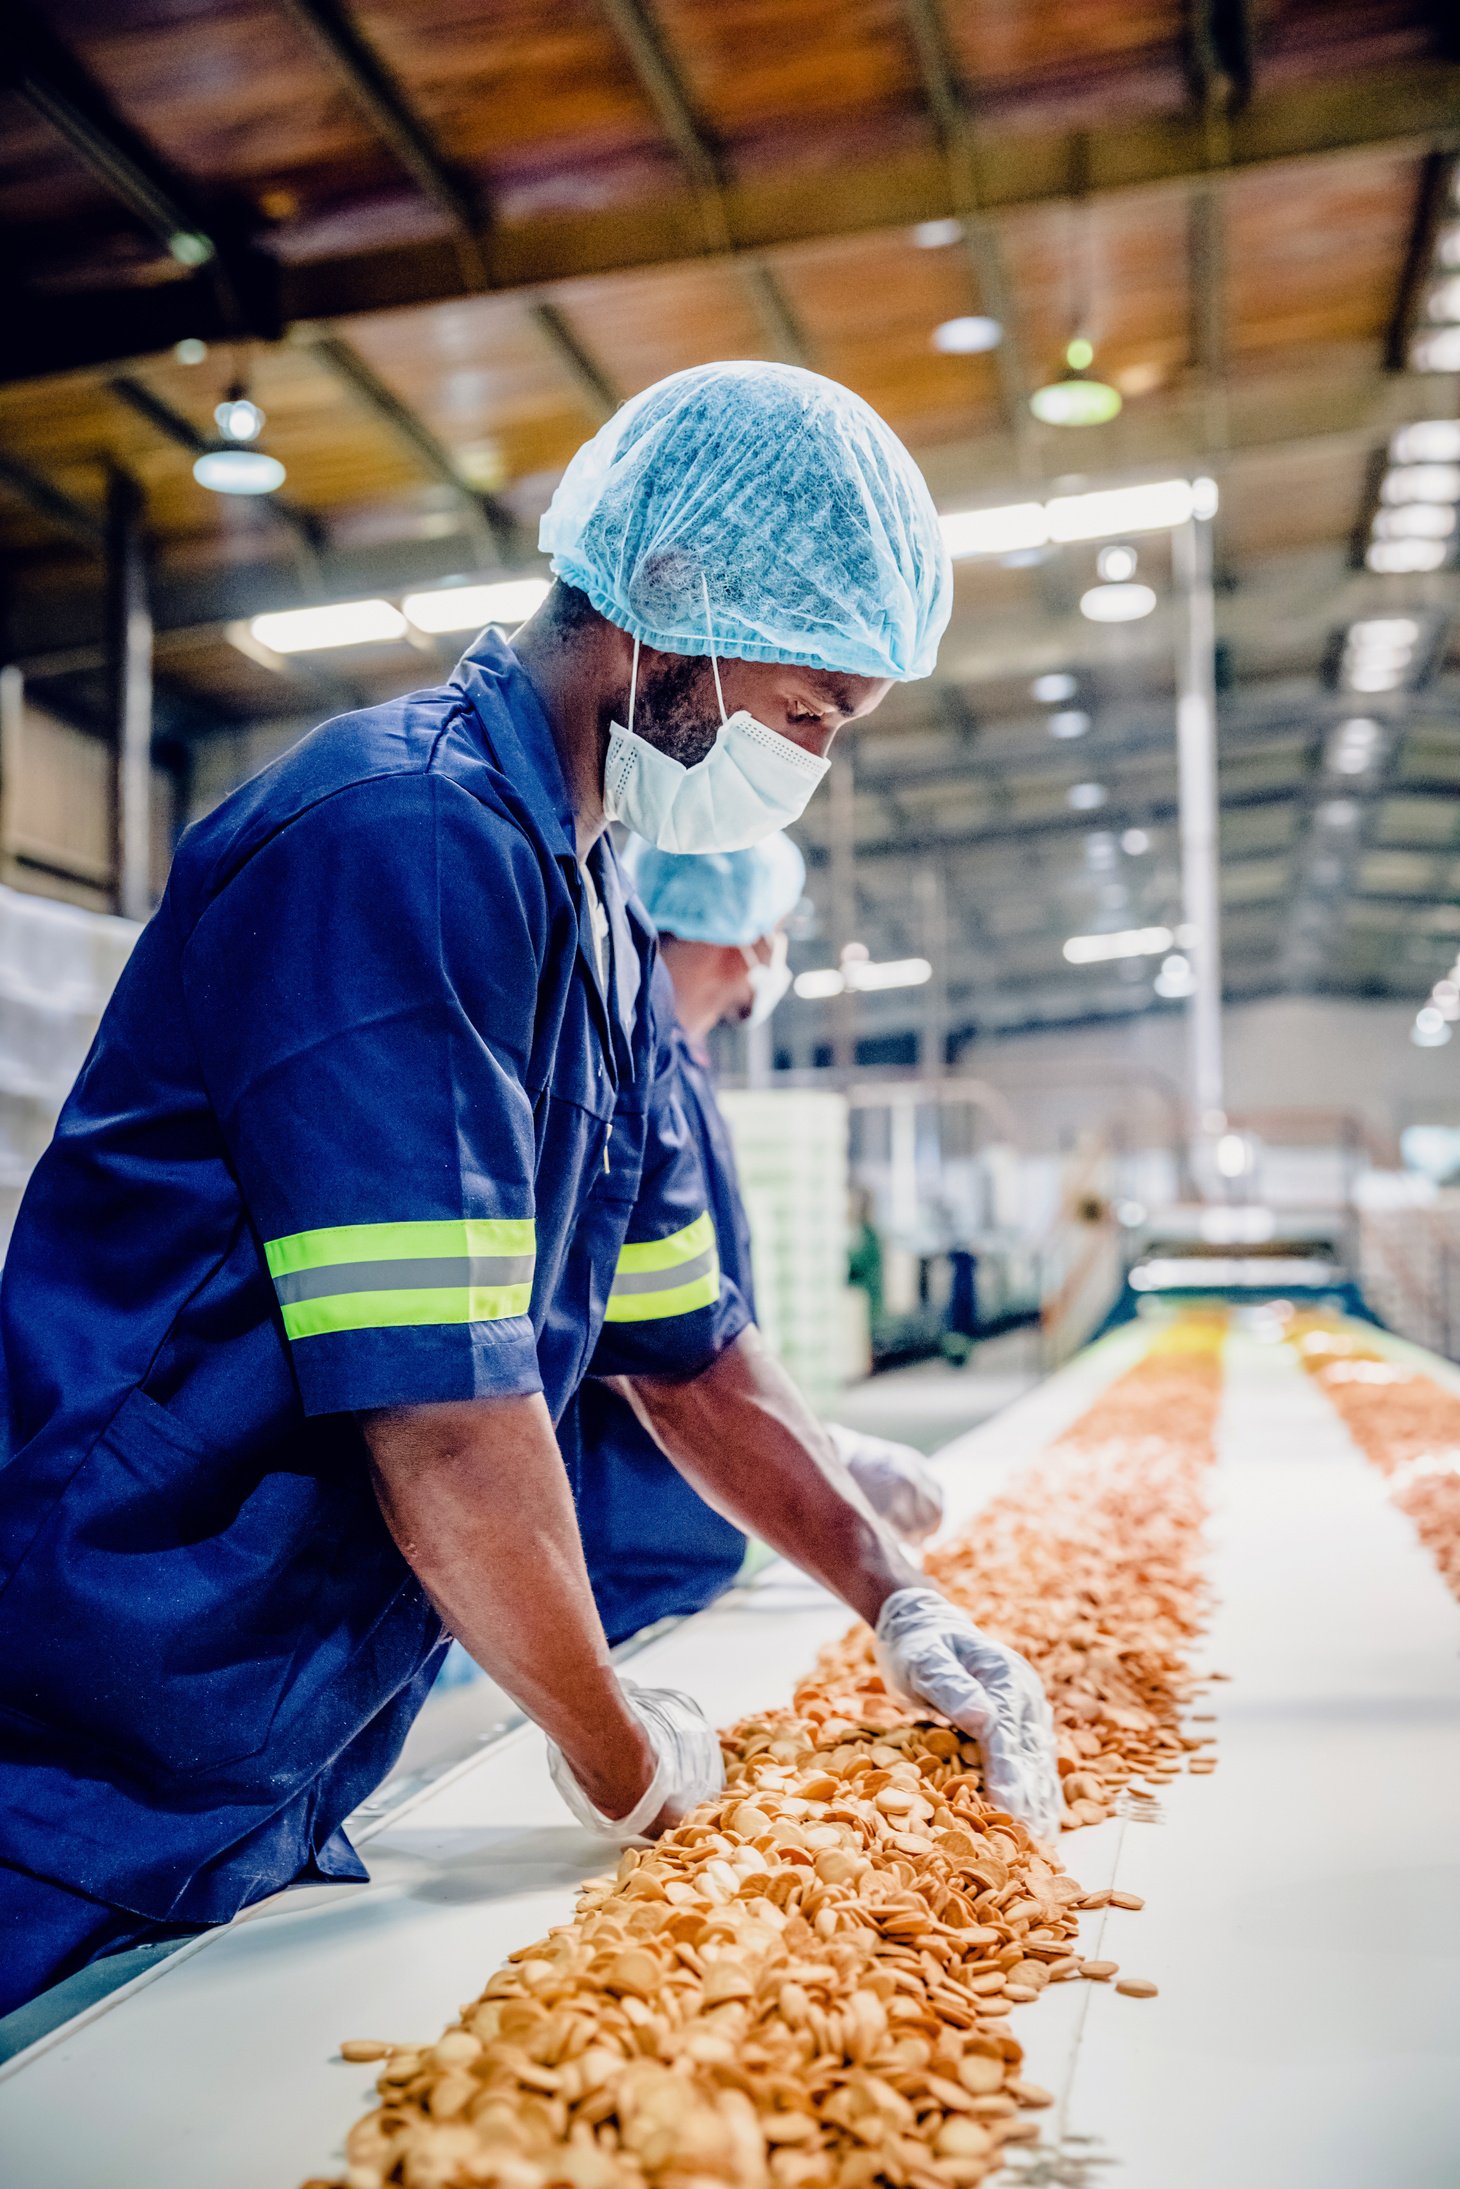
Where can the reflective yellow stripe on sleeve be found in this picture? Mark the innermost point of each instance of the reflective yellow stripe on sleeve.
(656, 1278)
(390, 1276)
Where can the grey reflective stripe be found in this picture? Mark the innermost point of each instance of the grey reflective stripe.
(419, 1274)
(665, 1280)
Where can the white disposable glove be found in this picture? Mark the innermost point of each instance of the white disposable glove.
(894, 1479)
(688, 1765)
(932, 1653)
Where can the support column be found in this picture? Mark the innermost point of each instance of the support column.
(842, 791)
(12, 719)
(129, 659)
(1196, 740)
(933, 892)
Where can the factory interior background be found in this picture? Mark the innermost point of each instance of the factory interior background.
(1127, 976)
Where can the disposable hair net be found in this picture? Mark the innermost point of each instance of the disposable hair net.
(779, 497)
(718, 896)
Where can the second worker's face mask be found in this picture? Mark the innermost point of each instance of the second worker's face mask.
(751, 782)
(769, 979)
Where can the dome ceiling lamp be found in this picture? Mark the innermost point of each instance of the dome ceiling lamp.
(1078, 396)
(233, 465)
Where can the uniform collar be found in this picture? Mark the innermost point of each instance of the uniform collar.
(516, 730)
(520, 740)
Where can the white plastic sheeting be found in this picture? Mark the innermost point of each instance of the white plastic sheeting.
(58, 966)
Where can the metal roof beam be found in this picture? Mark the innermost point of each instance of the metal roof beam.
(657, 66)
(47, 75)
(493, 524)
(953, 125)
(1117, 814)
(386, 105)
(52, 502)
(1398, 110)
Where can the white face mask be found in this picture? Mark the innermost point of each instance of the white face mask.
(750, 783)
(769, 979)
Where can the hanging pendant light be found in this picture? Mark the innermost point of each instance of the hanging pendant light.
(1079, 397)
(235, 466)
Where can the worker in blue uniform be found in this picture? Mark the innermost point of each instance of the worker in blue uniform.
(653, 1546)
(377, 1151)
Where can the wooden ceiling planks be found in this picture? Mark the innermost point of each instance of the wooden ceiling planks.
(1317, 258)
(541, 109)
(480, 375)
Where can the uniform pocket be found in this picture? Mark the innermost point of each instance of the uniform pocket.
(151, 1615)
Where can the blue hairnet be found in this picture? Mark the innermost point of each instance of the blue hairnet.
(718, 896)
(781, 495)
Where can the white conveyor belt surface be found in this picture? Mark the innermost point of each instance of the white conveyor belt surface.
(1303, 1903)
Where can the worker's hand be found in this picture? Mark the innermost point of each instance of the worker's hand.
(932, 1653)
(688, 1767)
(895, 1480)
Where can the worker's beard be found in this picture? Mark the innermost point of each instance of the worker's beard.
(676, 710)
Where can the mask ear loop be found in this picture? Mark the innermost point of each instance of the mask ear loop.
(714, 663)
(633, 686)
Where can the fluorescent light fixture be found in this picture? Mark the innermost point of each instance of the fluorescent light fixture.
(1105, 513)
(1130, 942)
(1436, 351)
(1384, 631)
(1397, 558)
(1225, 1272)
(338, 623)
(1421, 483)
(968, 336)
(238, 471)
(889, 973)
(1415, 521)
(1443, 301)
(469, 607)
(862, 974)
(1428, 440)
(1086, 797)
(937, 235)
(1110, 512)
(1353, 746)
(1069, 722)
(1117, 603)
(1054, 688)
(996, 531)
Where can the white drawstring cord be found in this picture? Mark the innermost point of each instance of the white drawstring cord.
(710, 636)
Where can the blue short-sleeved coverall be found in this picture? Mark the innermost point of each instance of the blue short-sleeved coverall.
(361, 1128)
(654, 1547)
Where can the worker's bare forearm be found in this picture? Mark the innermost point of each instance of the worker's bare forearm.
(744, 1436)
(477, 1498)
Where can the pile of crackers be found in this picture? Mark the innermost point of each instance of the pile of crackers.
(811, 1983)
(1402, 1420)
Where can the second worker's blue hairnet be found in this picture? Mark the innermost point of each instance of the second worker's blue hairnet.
(782, 497)
(718, 896)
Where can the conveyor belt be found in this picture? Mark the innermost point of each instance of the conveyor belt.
(1303, 1904)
